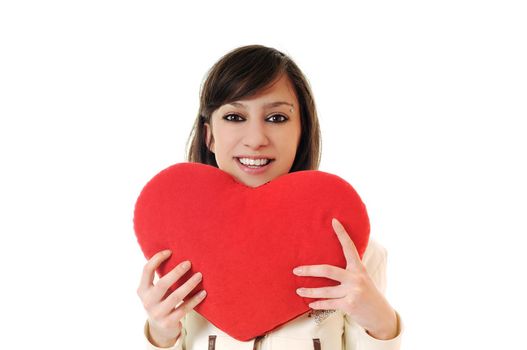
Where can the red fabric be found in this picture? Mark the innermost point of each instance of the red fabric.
(246, 241)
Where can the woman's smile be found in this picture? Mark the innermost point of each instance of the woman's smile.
(254, 165)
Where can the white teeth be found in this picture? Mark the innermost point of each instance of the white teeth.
(254, 162)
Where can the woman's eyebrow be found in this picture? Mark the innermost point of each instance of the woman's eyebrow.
(267, 105)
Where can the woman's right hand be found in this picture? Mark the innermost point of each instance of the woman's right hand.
(165, 314)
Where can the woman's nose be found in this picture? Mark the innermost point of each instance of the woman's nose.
(255, 135)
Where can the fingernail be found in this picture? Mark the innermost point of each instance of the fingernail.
(299, 290)
(186, 264)
(202, 293)
(167, 252)
(297, 270)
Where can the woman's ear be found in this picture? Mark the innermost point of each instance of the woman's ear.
(208, 137)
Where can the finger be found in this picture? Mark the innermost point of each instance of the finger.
(348, 247)
(188, 305)
(329, 271)
(180, 294)
(324, 292)
(147, 278)
(161, 287)
(330, 304)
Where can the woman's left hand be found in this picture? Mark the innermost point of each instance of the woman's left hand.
(356, 295)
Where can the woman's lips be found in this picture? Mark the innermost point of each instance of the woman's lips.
(253, 171)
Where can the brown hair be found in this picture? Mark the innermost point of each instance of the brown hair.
(242, 73)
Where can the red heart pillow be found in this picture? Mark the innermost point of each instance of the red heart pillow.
(246, 241)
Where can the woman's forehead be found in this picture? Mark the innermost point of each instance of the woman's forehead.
(279, 93)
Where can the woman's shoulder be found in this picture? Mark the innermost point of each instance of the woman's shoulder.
(374, 260)
(374, 256)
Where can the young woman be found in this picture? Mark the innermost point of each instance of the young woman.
(257, 121)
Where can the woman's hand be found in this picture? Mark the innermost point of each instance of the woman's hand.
(165, 314)
(356, 295)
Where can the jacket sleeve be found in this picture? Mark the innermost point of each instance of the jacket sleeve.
(177, 346)
(356, 337)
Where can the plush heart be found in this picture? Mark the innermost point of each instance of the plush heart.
(246, 241)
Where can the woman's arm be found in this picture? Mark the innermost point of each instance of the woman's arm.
(355, 336)
(164, 326)
(357, 295)
(152, 345)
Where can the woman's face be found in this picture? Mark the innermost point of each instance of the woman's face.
(255, 140)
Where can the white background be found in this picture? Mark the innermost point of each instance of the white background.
(422, 107)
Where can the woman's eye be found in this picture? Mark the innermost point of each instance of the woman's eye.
(233, 117)
(277, 118)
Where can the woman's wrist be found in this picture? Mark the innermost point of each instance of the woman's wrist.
(159, 340)
(388, 330)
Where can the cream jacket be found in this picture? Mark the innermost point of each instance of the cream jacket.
(314, 330)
